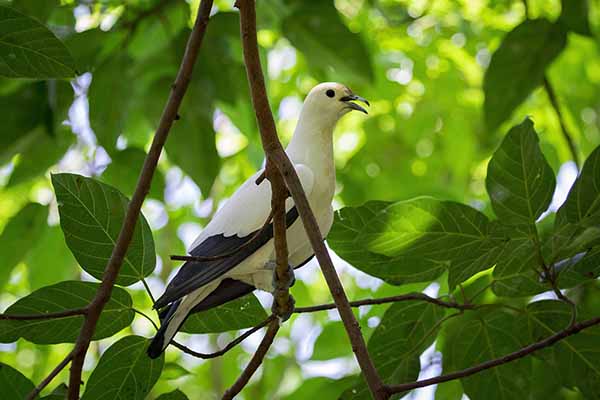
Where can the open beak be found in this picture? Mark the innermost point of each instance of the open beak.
(349, 100)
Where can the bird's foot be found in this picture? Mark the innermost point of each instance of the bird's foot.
(286, 283)
(284, 312)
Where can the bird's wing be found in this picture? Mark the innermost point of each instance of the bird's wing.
(233, 226)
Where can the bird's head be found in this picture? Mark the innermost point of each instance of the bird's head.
(332, 100)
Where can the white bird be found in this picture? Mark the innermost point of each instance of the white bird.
(199, 286)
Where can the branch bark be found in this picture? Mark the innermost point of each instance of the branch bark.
(37, 390)
(525, 351)
(255, 361)
(143, 186)
(276, 154)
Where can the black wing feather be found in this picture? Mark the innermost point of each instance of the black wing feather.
(195, 274)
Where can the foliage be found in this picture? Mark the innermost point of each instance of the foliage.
(457, 180)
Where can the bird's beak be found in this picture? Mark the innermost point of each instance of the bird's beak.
(353, 106)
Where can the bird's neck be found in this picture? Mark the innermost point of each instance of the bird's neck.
(312, 142)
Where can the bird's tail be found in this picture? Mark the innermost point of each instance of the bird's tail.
(175, 316)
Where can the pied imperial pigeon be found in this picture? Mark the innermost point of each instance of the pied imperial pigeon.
(202, 285)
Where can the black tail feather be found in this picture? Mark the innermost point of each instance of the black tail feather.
(157, 345)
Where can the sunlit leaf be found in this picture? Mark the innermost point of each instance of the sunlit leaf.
(518, 67)
(241, 313)
(413, 241)
(124, 371)
(14, 384)
(117, 314)
(519, 180)
(91, 215)
(173, 370)
(174, 395)
(29, 50)
(320, 387)
(21, 231)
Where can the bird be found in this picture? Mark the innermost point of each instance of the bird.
(238, 234)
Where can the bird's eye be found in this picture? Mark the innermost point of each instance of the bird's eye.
(330, 93)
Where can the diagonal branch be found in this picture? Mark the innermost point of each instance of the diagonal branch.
(277, 156)
(255, 361)
(143, 186)
(525, 351)
(37, 390)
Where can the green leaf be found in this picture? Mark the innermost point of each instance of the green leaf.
(49, 260)
(124, 170)
(518, 67)
(576, 358)
(59, 393)
(451, 390)
(173, 370)
(406, 330)
(91, 216)
(414, 240)
(68, 295)
(328, 345)
(192, 147)
(34, 8)
(316, 29)
(324, 388)
(21, 231)
(124, 372)
(174, 395)
(519, 180)
(241, 313)
(109, 100)
(480, 336)
(575, 15)
(29, 50)
(582, 206)
(14, 384)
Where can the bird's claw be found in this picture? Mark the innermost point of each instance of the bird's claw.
(284, 313)
(283, 284)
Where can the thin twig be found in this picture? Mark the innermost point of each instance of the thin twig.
(135, 310)
(37, 390)
(255, 361)
(229, 346)
(563, 126)
(53, 315)
(148, 290)
(231, 252)
(525, 351)
(390, 299)
(275, 153)
(143, 186)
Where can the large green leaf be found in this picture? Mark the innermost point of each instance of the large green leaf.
(91, 215)
(109, 100)
(117, 314)
(124, 372)
(14, 384)
(49, 260)
(34, 8)
(582, 206)
(21, 231)
(518, 67)
(124, 170)
(576, 358)
(519, 180)
(480, 336)
(406, 330)
(575, 15)
(29, 50)
(241, 313)
(316, 29)
(414, 241)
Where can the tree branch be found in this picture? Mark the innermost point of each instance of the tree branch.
(37, 390)
(276, 154)
(390, 299)
(563, 126)
(32, 317)
(549, 341)
(255, 361)
(231, 344)
(143, 186)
